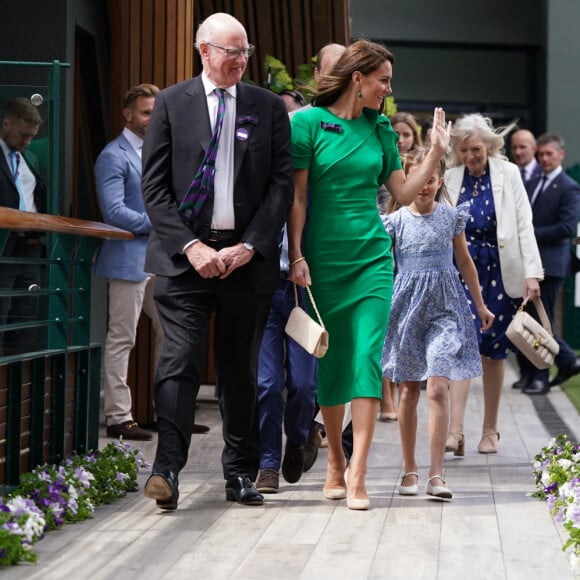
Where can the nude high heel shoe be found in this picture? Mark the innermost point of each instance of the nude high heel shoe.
(336, 492)
(355, 503)
(488, 443)
(456, 444)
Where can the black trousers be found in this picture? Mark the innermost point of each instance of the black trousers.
(549, 288)
(185, 304)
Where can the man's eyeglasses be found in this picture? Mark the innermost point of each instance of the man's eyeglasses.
(235, 52)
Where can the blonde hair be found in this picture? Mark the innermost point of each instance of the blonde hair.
(476, 125)
(142, 90)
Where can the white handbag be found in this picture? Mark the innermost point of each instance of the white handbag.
(532, 339)
(312, 336)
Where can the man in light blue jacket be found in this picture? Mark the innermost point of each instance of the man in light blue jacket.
(118, 180)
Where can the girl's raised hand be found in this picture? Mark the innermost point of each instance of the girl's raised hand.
(440, 132)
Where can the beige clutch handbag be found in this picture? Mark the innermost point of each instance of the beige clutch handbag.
(532, 339)
(312, 336)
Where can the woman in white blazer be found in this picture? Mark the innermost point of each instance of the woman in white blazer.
(501, 241)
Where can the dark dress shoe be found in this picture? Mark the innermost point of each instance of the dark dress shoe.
(537, 387)
(564, 374)
(521, 383)
(163, 488)
(242, 490)
(311, 447)
(129, 430)
(293, 462)
(200, 428)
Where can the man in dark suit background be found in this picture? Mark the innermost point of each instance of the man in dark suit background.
(554, 197)
(225, 260)
(21, 187)
(523, 149)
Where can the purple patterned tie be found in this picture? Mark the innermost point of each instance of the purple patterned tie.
(202, 185)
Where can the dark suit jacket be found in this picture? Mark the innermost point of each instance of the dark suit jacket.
(177, 136)
(555, 218)
(9, 196)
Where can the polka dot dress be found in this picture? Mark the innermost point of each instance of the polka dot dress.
(481, 235)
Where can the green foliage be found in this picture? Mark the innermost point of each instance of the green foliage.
(280, 80)
(389, 106)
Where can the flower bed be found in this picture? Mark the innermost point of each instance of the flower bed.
(557, 472)
(52, 495)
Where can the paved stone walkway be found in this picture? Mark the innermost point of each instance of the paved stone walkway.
(493, 529)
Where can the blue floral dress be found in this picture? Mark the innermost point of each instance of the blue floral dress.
(430, 331)
(481, 236)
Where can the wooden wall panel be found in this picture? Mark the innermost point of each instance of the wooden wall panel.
(151, 42)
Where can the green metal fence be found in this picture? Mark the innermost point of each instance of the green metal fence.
(50, 374)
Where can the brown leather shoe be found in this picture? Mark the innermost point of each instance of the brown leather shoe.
(199, 428)
(128, 430)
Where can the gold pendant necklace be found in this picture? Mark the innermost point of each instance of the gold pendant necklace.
(475, 183)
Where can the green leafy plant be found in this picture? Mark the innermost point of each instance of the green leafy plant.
(280, 80)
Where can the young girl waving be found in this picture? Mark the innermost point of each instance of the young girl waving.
(430, 333)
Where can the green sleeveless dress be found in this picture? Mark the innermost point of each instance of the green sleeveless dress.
(345, 243)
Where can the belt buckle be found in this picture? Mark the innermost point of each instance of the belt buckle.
(216, 236)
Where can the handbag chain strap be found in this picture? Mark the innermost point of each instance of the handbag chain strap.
(312, 301)
(544, 320)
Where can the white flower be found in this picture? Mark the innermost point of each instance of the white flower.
(565, 463)
(72, 492)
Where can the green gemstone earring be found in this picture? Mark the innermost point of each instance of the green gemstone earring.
(359, 94)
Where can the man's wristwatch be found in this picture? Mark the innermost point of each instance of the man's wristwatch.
(249, 247)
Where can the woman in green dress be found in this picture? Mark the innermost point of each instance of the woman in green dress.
(343, 150)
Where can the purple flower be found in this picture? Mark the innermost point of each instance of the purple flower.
(83, 476)
(44, 476)
(13, 527)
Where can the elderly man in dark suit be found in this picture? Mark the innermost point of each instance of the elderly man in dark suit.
(554, 197)
(217, 185)
(21, 187)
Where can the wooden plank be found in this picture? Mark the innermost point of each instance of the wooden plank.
(133, 30)
(171, 42)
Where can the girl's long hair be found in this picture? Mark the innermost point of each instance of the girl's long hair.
(416, 157)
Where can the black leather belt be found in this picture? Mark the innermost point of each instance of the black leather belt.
(221, 235)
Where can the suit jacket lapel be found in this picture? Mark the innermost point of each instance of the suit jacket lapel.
(497, 177)
(198, 110)
(130, 152)
(245, 108)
